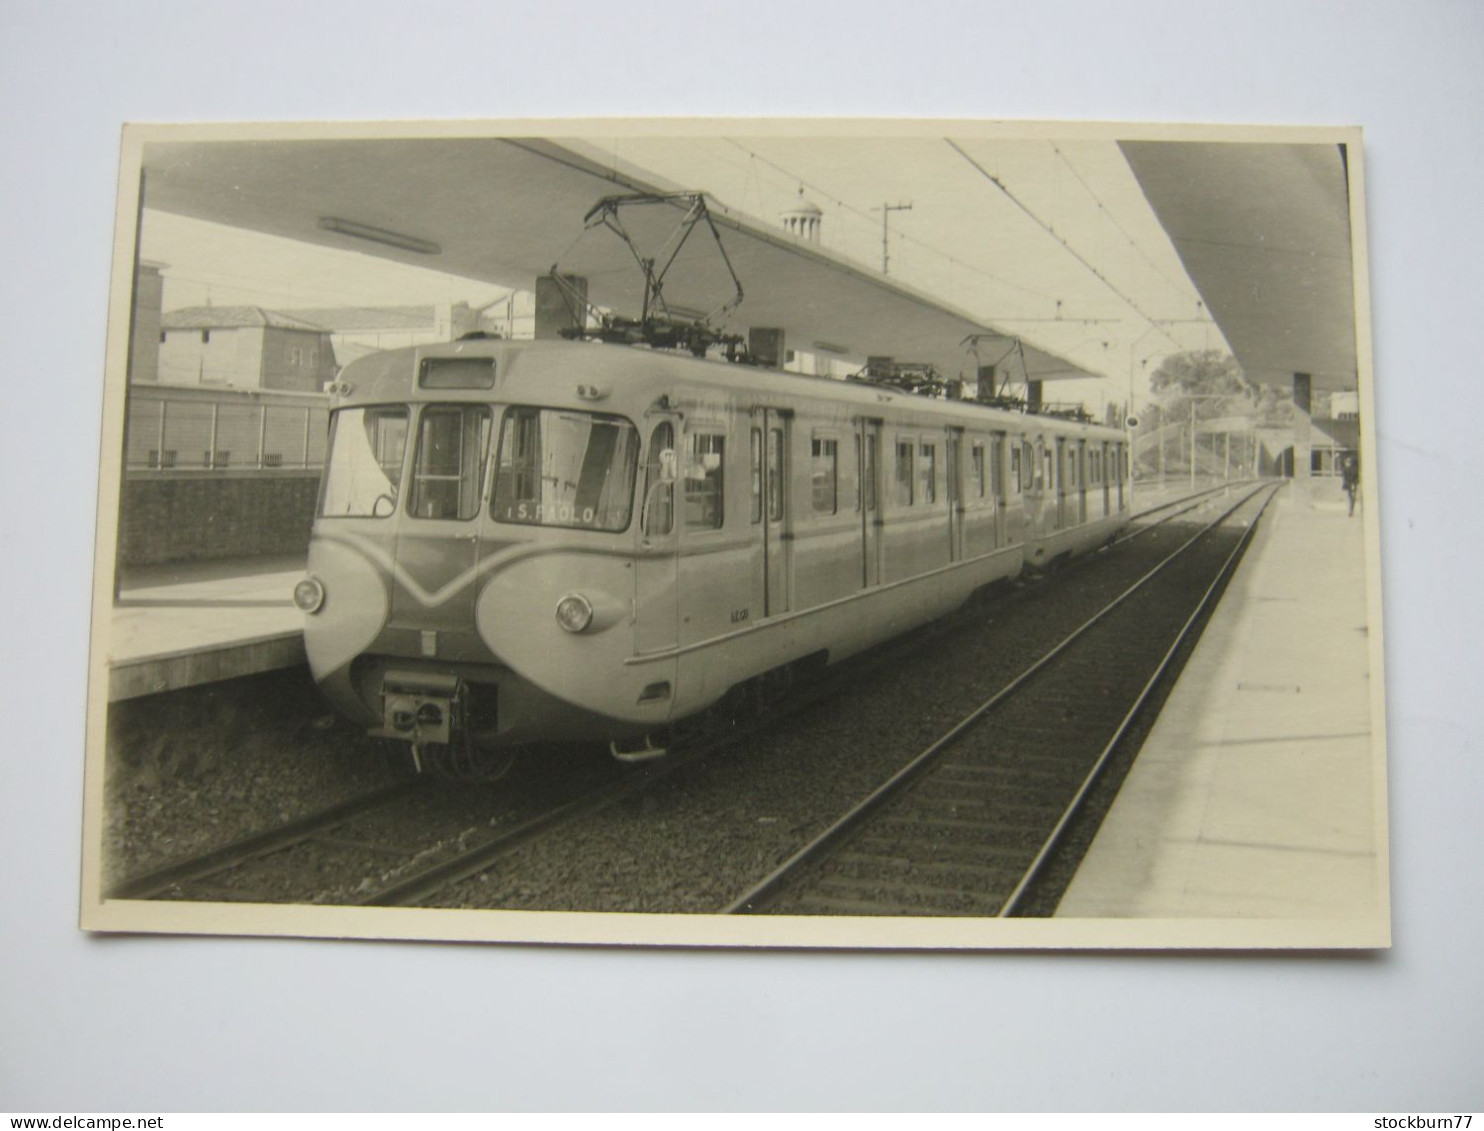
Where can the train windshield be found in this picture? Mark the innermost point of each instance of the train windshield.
(364, 472)
(561, 468)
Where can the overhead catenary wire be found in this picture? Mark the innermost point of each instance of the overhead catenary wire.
(1062, 240)
(864, 214)
(1182, 287)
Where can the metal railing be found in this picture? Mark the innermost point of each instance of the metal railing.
(208, 429)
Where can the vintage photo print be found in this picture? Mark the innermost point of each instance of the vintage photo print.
(740, 533)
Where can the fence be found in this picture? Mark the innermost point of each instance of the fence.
(219, 473)
(189, 429)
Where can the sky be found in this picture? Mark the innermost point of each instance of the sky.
(1049, 240)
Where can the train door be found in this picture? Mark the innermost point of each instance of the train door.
(870, 501)
(1079, 478)
(772, 429)
(997, 487)
(955, 455)
(1106, 469)
(438, 543)
(656, 588)
(1061, 483)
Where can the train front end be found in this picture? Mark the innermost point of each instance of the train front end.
(471, 569)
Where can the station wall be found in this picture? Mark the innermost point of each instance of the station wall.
(184, 516)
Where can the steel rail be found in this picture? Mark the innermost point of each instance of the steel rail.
(417, 887)
(1074, 807)
(749, 900)
(216, 860)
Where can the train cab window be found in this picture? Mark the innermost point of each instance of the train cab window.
(560, 468)
(976, 471)
(928, 470)
(363, 473)
(905, 471)
(824, 474)
(453, 444)
(704, 470)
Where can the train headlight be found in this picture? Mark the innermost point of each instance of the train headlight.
(309, 594)
(574, 612)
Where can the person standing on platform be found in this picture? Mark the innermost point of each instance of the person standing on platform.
(1350, 480)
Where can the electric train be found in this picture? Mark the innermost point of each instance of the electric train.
(521, 541)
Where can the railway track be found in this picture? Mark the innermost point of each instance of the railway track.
(405, 845)
(194, 872)
(970, 824)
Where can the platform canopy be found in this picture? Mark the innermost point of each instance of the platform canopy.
(1263, 230)
(505, 211)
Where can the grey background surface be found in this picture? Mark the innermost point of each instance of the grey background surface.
(149, 1024)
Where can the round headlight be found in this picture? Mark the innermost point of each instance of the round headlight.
(309, 594)
(574, 612)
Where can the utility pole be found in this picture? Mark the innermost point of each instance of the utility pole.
(1192, 443)
(887, 210)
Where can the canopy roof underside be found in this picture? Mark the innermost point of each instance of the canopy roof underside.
(505, 211)
(1264, 233)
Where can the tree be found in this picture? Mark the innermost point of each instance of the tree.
(1219, 388)
(1211, 378)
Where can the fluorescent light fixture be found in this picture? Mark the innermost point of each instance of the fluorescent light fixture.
(379, 235)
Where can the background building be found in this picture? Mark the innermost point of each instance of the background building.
(246, 347)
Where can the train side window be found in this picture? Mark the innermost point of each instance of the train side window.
(824, 475)
(704, 484)
(453, 444)
(1029, 465)
(976, 470)
(775, 474)
(659, 499)
(1048, 468)
(757, 475)
(928, 469)
(904, 473)
(1015, 466)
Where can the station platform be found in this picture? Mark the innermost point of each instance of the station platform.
(186, 623)
(183, 624)
(1255, 793)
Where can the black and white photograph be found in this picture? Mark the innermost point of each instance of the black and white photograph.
(1072, 403)
(753, 533)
